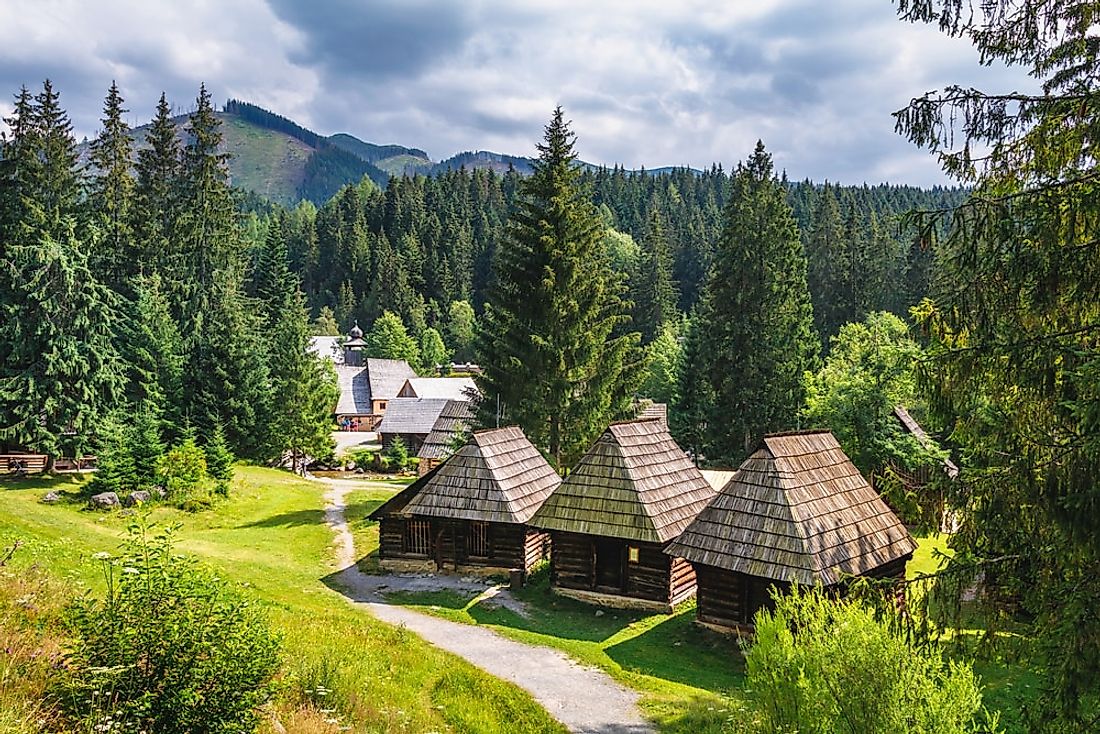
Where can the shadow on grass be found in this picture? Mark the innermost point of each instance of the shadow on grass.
(288, 519)
(679, 650)
(358, 511)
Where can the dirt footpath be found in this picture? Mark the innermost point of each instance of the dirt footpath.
(585, 699)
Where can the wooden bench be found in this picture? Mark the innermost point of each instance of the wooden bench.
(25, 463)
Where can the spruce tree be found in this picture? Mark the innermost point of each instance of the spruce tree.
(58, 365)
(828, 265)
(146, 447)
(655, 295)
(219, 458)
(114, 258)
(694, 396)
(757, 316)
(157, 202)
(553, 354)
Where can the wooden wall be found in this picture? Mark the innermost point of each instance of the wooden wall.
(730, 599)
(655, 576)
(510, 545)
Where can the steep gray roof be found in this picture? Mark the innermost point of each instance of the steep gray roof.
(455, 418)
(411, 415)
(797, 510)
(387, 376)
(497, 476)
(327, 346)
(354, 390)
(634, 483)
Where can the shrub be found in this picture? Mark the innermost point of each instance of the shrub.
(219, 459)
(184, 468)
(170, 648)
(397, 454)
(823, 666)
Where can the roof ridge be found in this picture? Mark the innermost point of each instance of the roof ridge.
(784, 488)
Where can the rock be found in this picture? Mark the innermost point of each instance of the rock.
(137, 497)
(51, 498)
(105, 500)
(599, 612)
(160, 492)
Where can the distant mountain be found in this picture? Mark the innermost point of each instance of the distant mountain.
(498, 162)
(278, 159)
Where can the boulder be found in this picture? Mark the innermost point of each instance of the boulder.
(160, 492)
(137, 497)
(51, 498)
(105, 500)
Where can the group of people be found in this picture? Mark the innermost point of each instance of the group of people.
(352, 424)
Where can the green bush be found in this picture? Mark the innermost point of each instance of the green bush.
(170, 648)
(397, 454)
(825, 666)
(184, 468)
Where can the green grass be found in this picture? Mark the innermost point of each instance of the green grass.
(270, 537)
(266, 161)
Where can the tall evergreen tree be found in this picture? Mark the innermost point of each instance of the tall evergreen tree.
(114, 258)
(58, 366)
(757, 314)
(207, 223)
(157, 201)
(694, 397)
(549, 346)
(828, 265)
(655, 293)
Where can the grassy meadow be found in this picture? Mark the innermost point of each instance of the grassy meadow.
(343, 670)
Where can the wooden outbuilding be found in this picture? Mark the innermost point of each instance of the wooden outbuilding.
(796, 511)
(452, 424)
(612, 516)
(470, 513)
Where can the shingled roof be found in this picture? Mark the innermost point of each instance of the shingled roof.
(909, 423)
(387, 376)
(797, 510)
(497, 476)
(635, 483)
(354, 390)
(456, 418)
(411, 416)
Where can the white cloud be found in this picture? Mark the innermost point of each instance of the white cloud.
(646, 82)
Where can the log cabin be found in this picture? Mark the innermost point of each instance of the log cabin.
(797, 511)
(612, 516)
(470, 512)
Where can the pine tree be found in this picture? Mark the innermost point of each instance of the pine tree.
(157, 202)
(655, 296)
(548, 347)
(828, 265)
(207, 223)
(58, 365)
(114, 258)
(116, 470)
(694, 402)
(219, 458)
(325, 324)
(757, 314)
(146, 447)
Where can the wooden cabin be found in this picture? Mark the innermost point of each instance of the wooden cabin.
(411, 420)
(471, 512)
(612, 516)
(796, 511)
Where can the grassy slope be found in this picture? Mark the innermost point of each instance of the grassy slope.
(270, 537)
(267, 162)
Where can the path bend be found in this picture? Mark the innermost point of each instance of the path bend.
(586, 700)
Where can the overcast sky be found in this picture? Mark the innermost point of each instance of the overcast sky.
(653, 83)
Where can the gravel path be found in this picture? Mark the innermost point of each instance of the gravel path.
(586, 700)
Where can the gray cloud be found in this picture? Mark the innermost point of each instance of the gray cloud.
(646, 82)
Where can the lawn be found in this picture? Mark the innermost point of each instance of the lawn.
(692, 680)
(342, 667)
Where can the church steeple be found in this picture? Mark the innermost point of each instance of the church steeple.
(353, 347)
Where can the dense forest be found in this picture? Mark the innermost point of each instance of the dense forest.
(145, 303)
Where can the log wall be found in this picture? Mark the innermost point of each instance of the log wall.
(510, 546)
(655, 576)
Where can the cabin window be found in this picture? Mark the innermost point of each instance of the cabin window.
(382, 406)
(418, 537)
(479, 539)
(632, 553)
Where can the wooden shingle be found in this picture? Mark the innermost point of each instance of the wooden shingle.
(635, 483)
(497, 476)
(797, 510)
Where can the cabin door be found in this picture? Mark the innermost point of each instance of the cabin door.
(610, 564)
